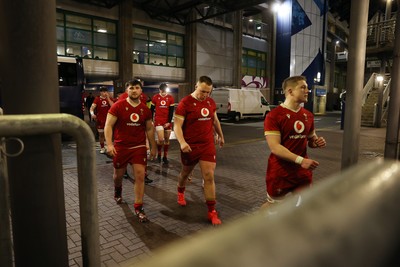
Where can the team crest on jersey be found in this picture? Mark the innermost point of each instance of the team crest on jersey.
(205, 112)
(134, 117)
(163, 103)
(209, 104)
(141, 111)
(305, 117)
(288, 116)
(299, 126)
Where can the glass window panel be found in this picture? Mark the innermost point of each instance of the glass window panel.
(158, 36)
(104, 39)
(251, 53)
(140, 33)
(172, 62)
(174, 50)
(252, 62)
(158, 48)
(244, 60)
(79, 22)
(180, 62)
(158, 60)
(86, 52)
(73, 50)
(139, 45)
(175, 39)
(252, 71)
(140, 57)
(79, 36)
(60, 19)
(104, 53)
(60, 49)
(60, 33)
(104, 26)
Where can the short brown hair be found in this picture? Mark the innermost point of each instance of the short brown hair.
(205, 79)
(292, 80)
(133, 83)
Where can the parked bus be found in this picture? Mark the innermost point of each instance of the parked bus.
(71, 80)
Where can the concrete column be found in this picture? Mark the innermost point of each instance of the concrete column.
(237, 49)
(190, 59)
(29, 85)
(332, 67)
(392, 132)
(125, 41)
(355, 82)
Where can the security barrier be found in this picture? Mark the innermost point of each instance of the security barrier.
(43, 124)
(350, 219)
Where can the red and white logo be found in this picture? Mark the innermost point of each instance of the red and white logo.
(205, 112)
(134, 117)
(163, 103)
(299, 126)
(104, 103)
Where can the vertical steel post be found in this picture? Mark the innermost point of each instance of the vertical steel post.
(355, 78)
(392, 132)
(28, 68)
(5, 230)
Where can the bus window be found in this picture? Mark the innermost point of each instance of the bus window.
(70, 81)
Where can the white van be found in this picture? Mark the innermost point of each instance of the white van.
(237, 104)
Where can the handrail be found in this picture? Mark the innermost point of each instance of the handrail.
(367, 88)
(350, 219)
(42, 124)
(5, 229)
(386, 93)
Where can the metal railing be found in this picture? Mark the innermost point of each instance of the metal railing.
(381, 33)
(368, 87)
(350, 219)
(43, 124)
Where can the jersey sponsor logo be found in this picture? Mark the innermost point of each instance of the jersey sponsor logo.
(205, 112)
(163, 103)
(134, 117)
(298, 126)
(104, 103)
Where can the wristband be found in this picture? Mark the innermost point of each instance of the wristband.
(91, 113)
(299, 160)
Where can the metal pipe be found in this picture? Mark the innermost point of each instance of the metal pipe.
(354, 84)
(393, 124)
(5, 230)
(350, 219)
(43, 124)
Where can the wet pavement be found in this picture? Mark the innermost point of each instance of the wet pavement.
(240, 184)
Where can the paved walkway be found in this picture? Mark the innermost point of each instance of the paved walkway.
(240, 187)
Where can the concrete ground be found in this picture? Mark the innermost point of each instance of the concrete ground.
(240, 183)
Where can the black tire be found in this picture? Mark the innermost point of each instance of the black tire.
(236, 118)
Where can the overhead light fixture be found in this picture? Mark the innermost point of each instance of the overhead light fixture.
(250, 20)
(102, 30)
